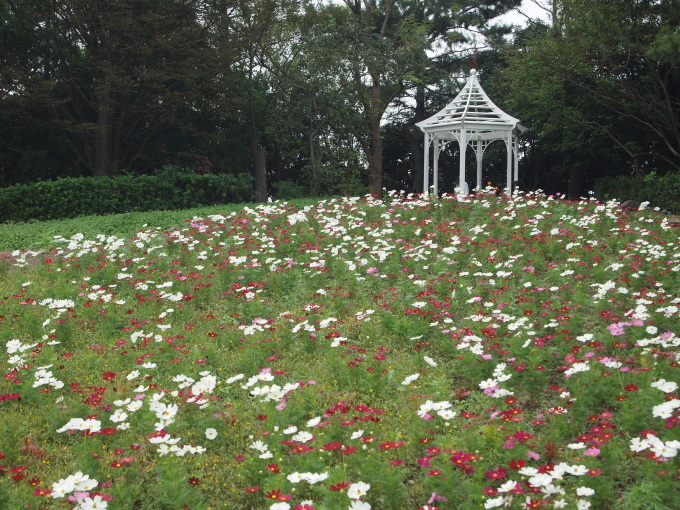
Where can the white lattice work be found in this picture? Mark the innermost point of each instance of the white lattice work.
(471, 119)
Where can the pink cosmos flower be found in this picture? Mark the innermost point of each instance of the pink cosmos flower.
(615, 329)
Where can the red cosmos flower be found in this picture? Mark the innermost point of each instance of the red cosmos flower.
(496, 474)
(490, 491)
(276, 495)
(274, 468)
(348, 450)
(303, 507)
(517, 464)
(194, 481)
(301, 448)
(254, 488)
(332, 446)
(434, 472)
(42, 492)
(397, 462)
(632, 387)
(107, 376)
(391, 445)
(340, 486)
(535, 503)
(34, 481)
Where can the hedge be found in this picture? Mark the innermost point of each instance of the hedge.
(169, 189)
(660, 191)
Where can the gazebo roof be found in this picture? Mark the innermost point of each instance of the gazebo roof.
(471, 110)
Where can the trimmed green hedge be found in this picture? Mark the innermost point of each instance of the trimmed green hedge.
(660, 191)
(169, 189)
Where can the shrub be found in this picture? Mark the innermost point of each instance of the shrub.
(170, 189)
(662, 191)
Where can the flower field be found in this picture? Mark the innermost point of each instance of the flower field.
(403, 353)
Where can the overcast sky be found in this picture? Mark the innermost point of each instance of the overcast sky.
(529, 9)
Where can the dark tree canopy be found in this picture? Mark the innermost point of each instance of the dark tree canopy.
(322, 97)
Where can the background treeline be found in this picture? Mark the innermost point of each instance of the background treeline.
(301, 98)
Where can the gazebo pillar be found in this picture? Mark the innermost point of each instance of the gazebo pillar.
(508, 180)
(435, 177)
(480, 155)
(462, 142)
(426, 170)
(516, 152)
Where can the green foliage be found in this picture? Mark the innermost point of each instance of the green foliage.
(662, 191)
(170, 189)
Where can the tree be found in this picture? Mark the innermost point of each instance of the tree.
(604, 78)
(373, 52)
(112, 74)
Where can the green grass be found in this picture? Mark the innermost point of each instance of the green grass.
(437, 350)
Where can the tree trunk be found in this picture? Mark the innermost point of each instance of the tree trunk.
(375, 157)
(259, 157)
(260, 173)
(375, 153)
(103, 151)
(418, 160)
(575, 189)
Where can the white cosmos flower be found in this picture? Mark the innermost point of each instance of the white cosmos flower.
(62, 487)
(540, 479)
(313, 478)
(302, 437)
(357, 434)
(357, 490)
(666, 409)
(430, 361)
(507, 486)
(210, 433)
(578, 470)
(665, 386)
(359, 505)
(296, 477)
(488, 383)
(576, 446)
(637, 444)
(259, 446)
(135, 405)
(410, 379)
(118, 416)
(447, 414)
(314, 422)
(494, 502)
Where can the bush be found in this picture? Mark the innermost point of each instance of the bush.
(660, 191)
(170, 189)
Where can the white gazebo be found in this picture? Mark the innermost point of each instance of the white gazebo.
(472, 119)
